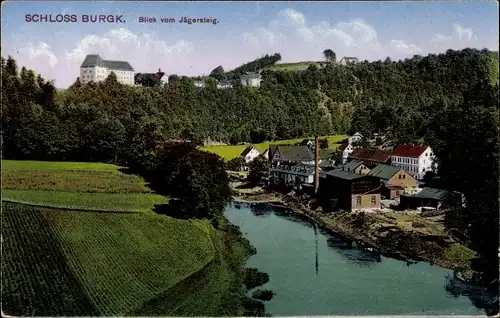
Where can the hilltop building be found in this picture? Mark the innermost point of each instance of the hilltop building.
(162, 77)
(251, 79)
(348, 60)
(95, 69)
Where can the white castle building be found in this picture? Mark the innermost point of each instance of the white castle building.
(95, 69)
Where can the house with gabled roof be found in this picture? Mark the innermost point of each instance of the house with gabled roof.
(357, 137)
(356, 167)
(417, 160)
(351, 191)
(292, 176)
(290, 154)
(427, 197)
(370, 156)
(395, 180)
(249, 154)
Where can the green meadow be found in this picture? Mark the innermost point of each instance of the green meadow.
(105, 264)
(230, 152)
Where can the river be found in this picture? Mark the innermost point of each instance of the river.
(314, 272)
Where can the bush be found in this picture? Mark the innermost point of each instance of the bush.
(252, 307)
(252, 278)
(235, 164)
(263, 294)
(417, 224)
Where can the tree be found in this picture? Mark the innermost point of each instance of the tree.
(218, 73)
(111, 79)
(258, 136)
(236, 164)
(329, 55)
(198, 180)
(11, 67)
(258, 170)
(147, 80)
(468, 136)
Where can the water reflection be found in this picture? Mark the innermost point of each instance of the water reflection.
(481, 297)
(341, 259)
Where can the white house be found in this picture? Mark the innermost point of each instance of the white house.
(200, 84)
(346, 149)
(266, 154)
(224, 85)
(357, 137)
(249, 154)
(416, 160)
(251, 79)
(292, 175)
(95, 69)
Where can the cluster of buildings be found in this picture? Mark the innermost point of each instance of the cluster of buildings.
(249, 79)
(365, 180)
(96, 69)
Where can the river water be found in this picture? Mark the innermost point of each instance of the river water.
(315, 272)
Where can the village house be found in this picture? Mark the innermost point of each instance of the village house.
(292, 176)
(370, 157)
(249, 154)
(327, 157)
(251, 79)
(356, 167)
(266, 154)
(352, 192)
(357, 137)
(417, 160)
(346, 150)
(395, 181)
(290, 154)
(224, 85)
(426, 198)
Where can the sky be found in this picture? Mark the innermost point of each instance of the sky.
(299, 31)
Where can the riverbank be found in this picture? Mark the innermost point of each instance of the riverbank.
(402, 235)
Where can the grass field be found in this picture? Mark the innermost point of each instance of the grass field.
(108, 264)
(56, 165)
(292, 66)
(60, 262)
(112, 202)
(74, 185)
(230, 152)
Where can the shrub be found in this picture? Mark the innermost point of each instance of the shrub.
(263, 294)
(252, 278)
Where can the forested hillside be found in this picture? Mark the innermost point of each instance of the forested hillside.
(367, 97)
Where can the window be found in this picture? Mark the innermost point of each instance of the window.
(374, 200)
(404, 177)
(399, 176)
(358, 200)
(397, 193)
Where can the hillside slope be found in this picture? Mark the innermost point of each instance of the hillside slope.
(60, 262)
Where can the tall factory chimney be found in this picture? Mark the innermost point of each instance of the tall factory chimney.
(316, 164)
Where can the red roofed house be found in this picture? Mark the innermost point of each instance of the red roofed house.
(370, 157)
(414, 159)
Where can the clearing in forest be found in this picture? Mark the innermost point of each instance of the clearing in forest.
(229, 152)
